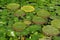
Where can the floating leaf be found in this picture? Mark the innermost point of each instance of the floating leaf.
(43, 13)
(19, 13)
(19, 26)
(50, 30)
(56, 23)
(38, 20)
(13, 6)
(28, 8)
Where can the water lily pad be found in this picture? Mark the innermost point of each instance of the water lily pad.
(28, 8)
(13, 6)
(19, 26)
(50, 30)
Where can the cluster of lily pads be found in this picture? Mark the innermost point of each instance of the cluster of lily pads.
(29, 20)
